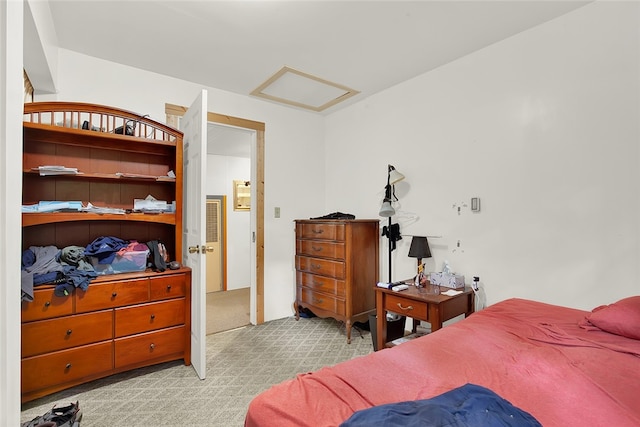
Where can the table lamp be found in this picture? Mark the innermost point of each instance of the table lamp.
(419, 249)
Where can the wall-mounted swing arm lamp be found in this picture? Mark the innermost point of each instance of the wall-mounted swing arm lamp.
(387, 210)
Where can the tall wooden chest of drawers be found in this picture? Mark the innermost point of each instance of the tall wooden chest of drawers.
(117, 324)
(337, 265)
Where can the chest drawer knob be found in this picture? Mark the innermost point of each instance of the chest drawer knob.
(316, 266)
(69, 331)
(316, 248)
(153, 316)
(68, 366)
(152, 346)
(113, 295)
(317, 231)
(168, 287)
(47, 304)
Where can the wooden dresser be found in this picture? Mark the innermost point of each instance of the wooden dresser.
(116, 325)
(337, 265)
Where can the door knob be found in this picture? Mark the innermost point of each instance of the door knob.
(193, 249)
(209, 248)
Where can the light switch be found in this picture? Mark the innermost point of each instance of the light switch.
(277, 212)
(475, 204)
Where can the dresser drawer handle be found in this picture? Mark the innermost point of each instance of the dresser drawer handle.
(68, 366)
(168, 287)
(47, 304)
(316, 266)
(69, 331)
(153, 316)
(405, 308)
(317, 231)
(113, 295)
(316, 248)
(318, 301)
(152, 346)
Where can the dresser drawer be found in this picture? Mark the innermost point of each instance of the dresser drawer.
(320, 300)
(166, 287)
(320, 230)
(45, 336)
(149, 346)
(46, 305)
(415, 309)
(148, 317)
(320, 248)
(320, 283)
(324, 267)
(51, 369)
(109, 295)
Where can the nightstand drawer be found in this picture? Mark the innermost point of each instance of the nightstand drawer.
(404, 307)
(320, 231)
(322, 301)
(45, 336)
(148, 317)
(158, 345)
(46, 305)
(323, 267)
(320, 283)
(320, 248)
(64, 366)
(166, 287)
(110, 295)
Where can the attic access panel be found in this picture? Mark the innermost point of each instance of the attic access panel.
(299, 89)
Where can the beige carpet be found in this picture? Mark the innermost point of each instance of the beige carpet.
(240, 364)
(227, 310)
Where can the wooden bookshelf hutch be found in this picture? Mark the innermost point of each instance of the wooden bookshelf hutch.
(122, 321)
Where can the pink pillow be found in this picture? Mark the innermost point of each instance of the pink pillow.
(620, 318)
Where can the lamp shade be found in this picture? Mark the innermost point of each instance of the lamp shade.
(419, 247)
(394, 175)
(387, 210)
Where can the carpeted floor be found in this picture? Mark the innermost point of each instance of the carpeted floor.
(240, 364)
(227, 310)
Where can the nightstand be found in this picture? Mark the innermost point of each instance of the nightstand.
(432, 308)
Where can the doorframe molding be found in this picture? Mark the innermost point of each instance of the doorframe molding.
(173, 113)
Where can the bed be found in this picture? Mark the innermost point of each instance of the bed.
(564, 367)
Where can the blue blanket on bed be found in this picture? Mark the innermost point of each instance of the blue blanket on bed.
(469, 405)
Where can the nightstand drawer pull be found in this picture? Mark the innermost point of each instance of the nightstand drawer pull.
(69, 331)
(405, 308)
(47, 304)
(317, 248)
(316, 231)
(318, 301)
(316, 266)
(68, 366)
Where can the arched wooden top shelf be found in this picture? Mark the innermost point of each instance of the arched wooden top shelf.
(30, 219)
(76, 123)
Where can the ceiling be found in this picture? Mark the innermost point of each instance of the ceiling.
(236, 46)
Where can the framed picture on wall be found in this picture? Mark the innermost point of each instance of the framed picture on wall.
(241, 195)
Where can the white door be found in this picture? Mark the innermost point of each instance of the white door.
(194, 126)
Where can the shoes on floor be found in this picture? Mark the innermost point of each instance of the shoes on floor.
(65, 416)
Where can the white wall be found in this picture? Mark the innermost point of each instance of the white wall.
(544, 128)
(11, 98)
(291, 136)
(221, 172)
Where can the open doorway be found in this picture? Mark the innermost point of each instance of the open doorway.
(256, 213)
(228, 178)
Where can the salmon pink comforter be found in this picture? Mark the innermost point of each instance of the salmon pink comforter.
(534, 355)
